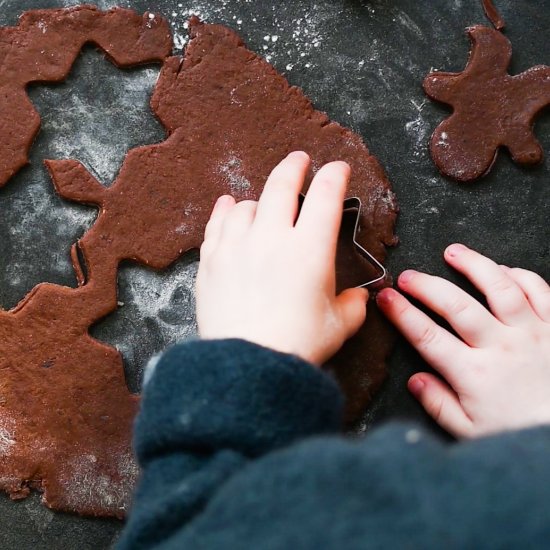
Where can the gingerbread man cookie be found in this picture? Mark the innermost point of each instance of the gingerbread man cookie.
(492, 109)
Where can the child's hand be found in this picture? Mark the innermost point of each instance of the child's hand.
(498, 371)
(270, 279)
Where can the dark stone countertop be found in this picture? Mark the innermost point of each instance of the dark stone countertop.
(363, 63)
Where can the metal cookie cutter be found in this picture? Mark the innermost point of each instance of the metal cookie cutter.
(350, 204)
(354, 203)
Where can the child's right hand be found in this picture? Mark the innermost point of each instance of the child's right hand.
(498, 371)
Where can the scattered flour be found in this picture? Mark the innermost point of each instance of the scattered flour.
(233, 173)
(418, 130)
(291, 45)
(444, 140)
(7, 434)
(85, 483)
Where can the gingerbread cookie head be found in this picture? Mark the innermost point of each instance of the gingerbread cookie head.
(491, 109)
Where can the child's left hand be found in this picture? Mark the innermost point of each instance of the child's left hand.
(497, 371)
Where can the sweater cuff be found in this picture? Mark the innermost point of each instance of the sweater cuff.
(205, 396)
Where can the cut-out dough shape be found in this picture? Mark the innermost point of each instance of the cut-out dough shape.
(43, 47)
(65, 411)
(491, 109)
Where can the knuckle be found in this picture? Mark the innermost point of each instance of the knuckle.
(457, 307)
(428, 337)
(502, 284)
(435, 408)
(246, 206)
(531, 278)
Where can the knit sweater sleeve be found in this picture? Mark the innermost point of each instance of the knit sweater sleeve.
(208, 408)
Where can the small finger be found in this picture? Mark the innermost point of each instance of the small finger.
(352, 304)
(507, 301)
(239, 220)
(321, 214)
(443, 351)
(472, 322)
(278, 204)
(535, 288)
(441, 403)
(213, 228)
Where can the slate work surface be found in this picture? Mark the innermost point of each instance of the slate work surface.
(361, 62)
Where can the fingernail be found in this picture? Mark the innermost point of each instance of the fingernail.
(406, 276)
(416, 385)
(302, 154)
(455, 249)
(386, 296)
(221, 200)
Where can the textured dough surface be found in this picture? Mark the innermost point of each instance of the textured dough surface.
(65, 411)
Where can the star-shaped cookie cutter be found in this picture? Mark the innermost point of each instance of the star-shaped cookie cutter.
(351, 204)
(354, 203)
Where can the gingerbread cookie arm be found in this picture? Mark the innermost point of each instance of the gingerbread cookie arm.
(73, 182)
(490, 54)
(525, 148)
(439, 86)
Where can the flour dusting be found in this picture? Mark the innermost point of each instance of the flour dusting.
(232, 172)
(290, 44)
(7, 434)
(87, 485)
(159, 311)
(417, 130)
(76, 123)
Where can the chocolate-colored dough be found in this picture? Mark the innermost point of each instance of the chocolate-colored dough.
(65, 410)
(43, 48)
(66, 414)
(493, 15)
(492, 109)
(231, 118)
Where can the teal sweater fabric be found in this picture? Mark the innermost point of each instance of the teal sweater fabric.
(239, 449)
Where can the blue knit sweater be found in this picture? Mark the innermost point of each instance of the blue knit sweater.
(239, 449)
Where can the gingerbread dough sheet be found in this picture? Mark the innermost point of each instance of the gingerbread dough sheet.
(225, 104)
(65, 411)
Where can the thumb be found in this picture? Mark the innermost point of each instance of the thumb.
(352, 307)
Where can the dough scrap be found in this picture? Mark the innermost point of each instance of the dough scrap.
(493, 14)
(65, 410)
(66, 413)
(491, 109)
(44, 46)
